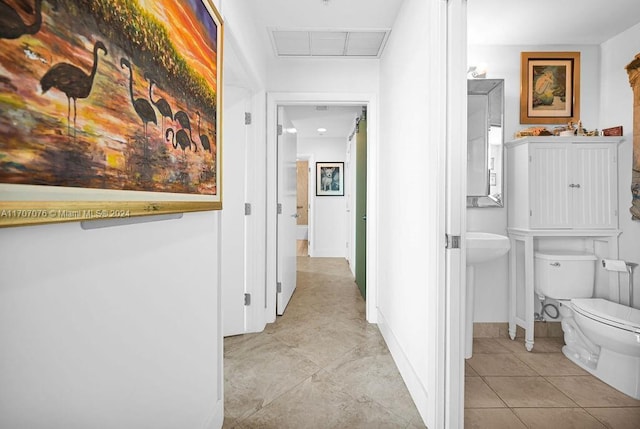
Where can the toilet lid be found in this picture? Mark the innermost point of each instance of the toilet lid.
(608, 312)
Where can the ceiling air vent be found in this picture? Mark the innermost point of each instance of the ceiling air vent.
(328, 43)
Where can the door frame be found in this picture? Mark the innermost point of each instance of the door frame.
(238, 66)
(275, 99)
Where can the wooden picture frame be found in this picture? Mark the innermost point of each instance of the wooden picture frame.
(329, 179)
(110, 117)
(549, 87)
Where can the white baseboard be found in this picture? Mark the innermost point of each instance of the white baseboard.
(217, 419)
(327, 253)
(416, 389)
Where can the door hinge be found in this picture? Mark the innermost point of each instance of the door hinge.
(247, 209)
(279, 208)
(279, 287)
(247, 118)
(452, 241)
(279, 129)
(530, 212)
(247, 299)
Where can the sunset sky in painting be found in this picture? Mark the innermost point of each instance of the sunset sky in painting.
(193, 39)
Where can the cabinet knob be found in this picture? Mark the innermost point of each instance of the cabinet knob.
(576, 185)
(555, 264)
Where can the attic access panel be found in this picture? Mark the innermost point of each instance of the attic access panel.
(328, 43)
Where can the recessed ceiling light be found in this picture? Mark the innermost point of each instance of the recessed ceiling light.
(322, 130)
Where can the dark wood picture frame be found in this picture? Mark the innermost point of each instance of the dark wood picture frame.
(329, 179)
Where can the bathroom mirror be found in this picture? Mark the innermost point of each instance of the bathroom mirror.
(485, 137)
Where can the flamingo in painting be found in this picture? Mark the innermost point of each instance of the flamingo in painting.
(140, 105)
(204, 140)
(161, 104)
(73, 81)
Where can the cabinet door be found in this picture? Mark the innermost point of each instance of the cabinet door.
(549, 186)
(594, 186)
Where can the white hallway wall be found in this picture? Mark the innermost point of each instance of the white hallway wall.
(118, 325)
(329, 220)
(411, 211)
(492, 289)
(323, 75)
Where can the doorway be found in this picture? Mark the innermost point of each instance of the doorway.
(274, 100)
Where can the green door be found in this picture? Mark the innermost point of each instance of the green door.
(361, 206)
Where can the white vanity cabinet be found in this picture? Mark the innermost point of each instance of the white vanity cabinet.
(563, 182)
(557, 188)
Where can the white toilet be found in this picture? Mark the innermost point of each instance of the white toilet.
(601, 336)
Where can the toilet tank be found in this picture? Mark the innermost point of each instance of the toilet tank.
(564, 274)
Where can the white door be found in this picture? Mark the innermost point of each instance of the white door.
(453, 72)
(233, 217)
(287, 212)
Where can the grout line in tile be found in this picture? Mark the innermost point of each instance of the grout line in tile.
(496, 393)
(546, 378)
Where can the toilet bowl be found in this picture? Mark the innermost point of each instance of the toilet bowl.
(601, 336)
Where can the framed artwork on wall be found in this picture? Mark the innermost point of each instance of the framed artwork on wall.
(633, 71)
(549, 87)
(329, 179)
(105, 117)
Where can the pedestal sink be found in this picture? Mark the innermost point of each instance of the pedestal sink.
(481, 247)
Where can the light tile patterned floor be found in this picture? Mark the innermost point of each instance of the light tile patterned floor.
(321, 365)
(508, 387)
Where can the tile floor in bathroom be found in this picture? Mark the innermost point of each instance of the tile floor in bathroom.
(321, 365)
(508, 387)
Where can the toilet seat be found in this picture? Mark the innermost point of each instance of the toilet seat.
(610, 313)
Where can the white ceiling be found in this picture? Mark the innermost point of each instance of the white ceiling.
(490, 22)
(338, 120)
(313, 14)
(500, 22)
(548, 22)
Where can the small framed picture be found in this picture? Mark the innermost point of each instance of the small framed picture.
(329, 179)
(550, 87)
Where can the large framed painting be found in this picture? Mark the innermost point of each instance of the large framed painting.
(633, 71)
(109, 109)
(550, 87)
(329, 179)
